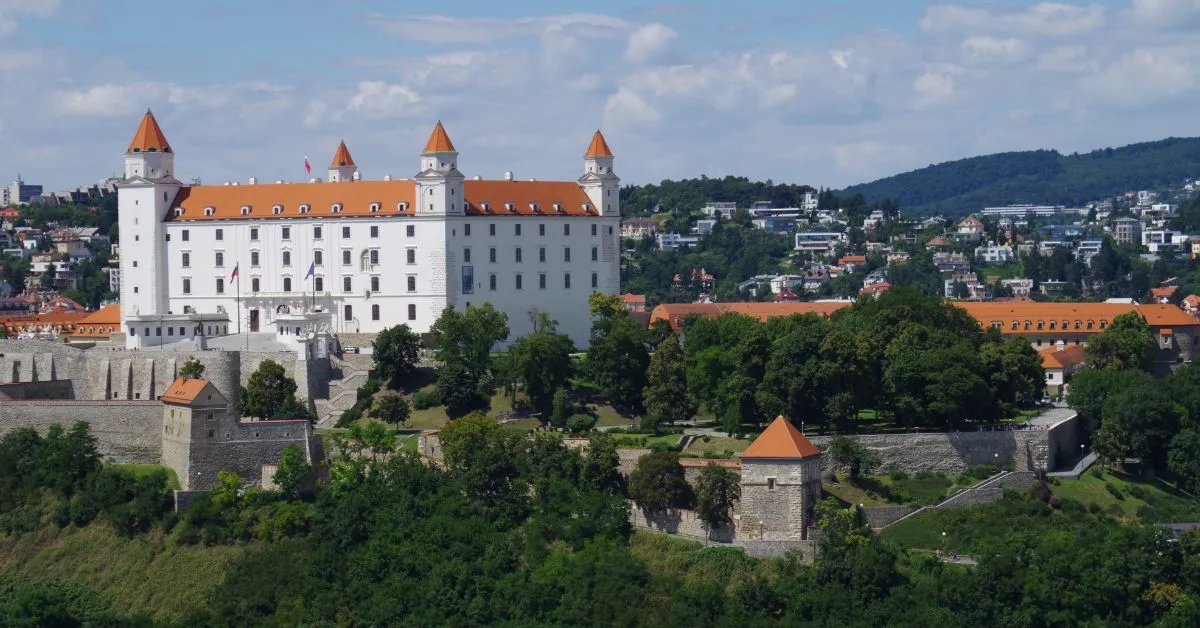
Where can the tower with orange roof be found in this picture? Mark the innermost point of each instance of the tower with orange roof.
(781, 484)
(601, 184)
(342, 167)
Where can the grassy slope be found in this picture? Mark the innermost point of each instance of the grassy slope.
(1157, 503)
(882, 490)
(148, 574)
(146, 469)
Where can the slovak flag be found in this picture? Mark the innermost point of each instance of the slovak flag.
(307, 166)
(234, 274)
(312, 269)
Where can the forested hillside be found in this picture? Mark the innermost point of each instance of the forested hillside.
(1039, 177)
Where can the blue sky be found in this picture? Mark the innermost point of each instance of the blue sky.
(819, 92)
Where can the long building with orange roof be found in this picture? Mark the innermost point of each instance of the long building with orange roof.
(1044, 324)
(367, 254)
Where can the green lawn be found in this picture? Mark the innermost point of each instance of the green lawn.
(716, 445)
(140, 470)
(882, 490)
(607, 416)
(637, 441)
(1154, 501)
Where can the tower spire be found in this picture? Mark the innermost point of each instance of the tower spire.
(598, 147)
(149, 137)
(439, 141)
(342, 167)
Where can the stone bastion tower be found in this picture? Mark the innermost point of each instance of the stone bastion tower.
(781, 483)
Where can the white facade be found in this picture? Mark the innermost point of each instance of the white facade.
(395, 263)
(994, 254)
(819, 242)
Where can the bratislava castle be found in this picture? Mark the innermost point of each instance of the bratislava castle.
(219, 259)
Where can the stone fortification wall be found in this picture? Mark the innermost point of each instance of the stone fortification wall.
(126, 431)
(243, 449)
(953, 452)
(55, 389)
(680, 522)
(884, 516)
(628, 459)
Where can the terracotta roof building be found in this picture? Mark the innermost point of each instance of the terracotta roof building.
(781, 439)
(370, 253)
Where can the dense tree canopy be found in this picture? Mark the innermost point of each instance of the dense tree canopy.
(395, 352)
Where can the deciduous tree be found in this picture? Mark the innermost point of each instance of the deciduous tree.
(658, 483)
(666, 396)
(395, 352)
(717, 490)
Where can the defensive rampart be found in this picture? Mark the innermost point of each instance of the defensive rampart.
(126, 431)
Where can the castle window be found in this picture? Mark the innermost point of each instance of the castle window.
(534, 207)
(210, 433)
(254, 284)
(318, 259)
(411, 255)
(595, 253)
(1040, 324)
(254, 233)
(567, 229)
(374, 231)
(770, 484)
(593, 229)
(337, 208)
(208, 211)
(287, 284)
(1103, 324)
(285, 233)
(179, 212)
(512, 209)
(1052, 324)
(304, 208)
(375, 285)
(278, 209)
(566, 281)
(412, 312)
(374, 208)
(245, 210)
(345, 232)
(412, 283)
(485, 206)
(1014, 325)
(374, 312)
(558, 207)
(1027, 325)
(410, 231)
(402, 207)
(219, 234)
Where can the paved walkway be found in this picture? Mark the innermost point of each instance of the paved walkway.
(1078, 470)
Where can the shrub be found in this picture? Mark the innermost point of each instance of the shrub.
(368, 389)
(1055, 502)
(898, 475)
(349, 417)
(425, 399)
(1137, 492)
(1094, 508)
(981, 471)
(924, 475)
(580, 423)
(1113, 490)
(1096, 472)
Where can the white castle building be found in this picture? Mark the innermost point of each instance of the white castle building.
(359, 255)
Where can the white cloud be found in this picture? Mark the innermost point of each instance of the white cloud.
(987, 50)
(108, 100)
(380, 99)
(649, 42)
(626, 108)
(114, 99)
(932, 88)
(1165, 13)
(442, 29)
(1046, 19)
(1143, 76)
(12, 11)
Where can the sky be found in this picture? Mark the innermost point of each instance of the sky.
(819, 92)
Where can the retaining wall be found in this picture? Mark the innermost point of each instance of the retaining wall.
(882, 517)
(680, 522)
(126, 431)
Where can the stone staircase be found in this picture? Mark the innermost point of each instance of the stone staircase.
(350, 372)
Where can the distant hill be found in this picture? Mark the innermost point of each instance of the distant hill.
(1039, 177)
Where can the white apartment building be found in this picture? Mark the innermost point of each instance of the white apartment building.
(722, 210)
(819, 242)
(362, 255)
(994, 254)
(1156, 240)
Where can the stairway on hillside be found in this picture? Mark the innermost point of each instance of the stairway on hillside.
(349, 373)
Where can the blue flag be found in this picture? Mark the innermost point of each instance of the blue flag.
(312, 268)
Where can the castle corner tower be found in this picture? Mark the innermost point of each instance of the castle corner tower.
(601, 184)
(342, 167)
(439, 183)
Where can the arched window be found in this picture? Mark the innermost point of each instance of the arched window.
(1014, 325)
(1053, 324)
(1028, 324)
(374, 208)
(364, 261)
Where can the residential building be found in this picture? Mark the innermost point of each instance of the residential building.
(366, 254)
(1162, 240)
(786, 283)
(634, 302)
(1194, 247)
(1024, 210)
(951, 262)
(704, 226)
(938, 242)
(672, 241)
(810, 202)
(816, 276)
(1127, 230)
(851, 262)
(819, 243)
(994, 254)
(722, 210)
(775, 224)
(1059, 362)
(639, 228)
(19, 193)
(1021, 287)
(65, 275)
(1089, 248)
(969, 228)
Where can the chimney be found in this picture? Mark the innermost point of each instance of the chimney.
(226, 183)
(508, 175)
(476, 178)
(279, 181)
(252, 180)
(532, 179)
(387, 177)
(314, 180)
(357, 176)
(234, 183)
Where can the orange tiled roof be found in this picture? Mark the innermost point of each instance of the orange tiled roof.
(781, 439)
(99, 324)
(1165, 314)
(938, 241)
(439, 141)
(1070, 356)
(598, 147)
(629, 297)
(1192, 300)
(852, 259)
(184, 390)
(1163, 293)
(149, 137)
(675, 313)
(341, 157)
(356, 198)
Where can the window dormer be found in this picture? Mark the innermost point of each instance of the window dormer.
(558, 208)
(337, 208)
(402, 207)
(208, 211)
(304, 208)
(277, 209)
(245, 210)
(535, 208)
(374, 208)
(485, 206)
(587, 208)
(510, 206)
(178, 212)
